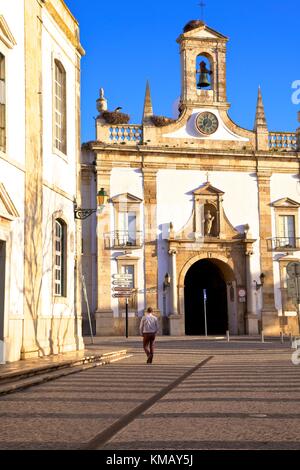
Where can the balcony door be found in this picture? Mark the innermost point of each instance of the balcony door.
(127, 228)
(287, 230)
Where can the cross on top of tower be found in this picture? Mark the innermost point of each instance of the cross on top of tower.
(202, 5)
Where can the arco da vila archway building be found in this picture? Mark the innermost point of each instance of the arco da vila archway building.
(212, 204)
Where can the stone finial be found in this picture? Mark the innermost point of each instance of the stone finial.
(148, 109)
(260, 125)
(260, 117)
(101, 102)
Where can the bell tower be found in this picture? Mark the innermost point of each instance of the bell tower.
(203, 66)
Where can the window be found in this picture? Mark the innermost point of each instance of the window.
(2, 104)
(60, 258)
(60, 108)
(287, 230)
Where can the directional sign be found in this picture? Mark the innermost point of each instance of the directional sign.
(122, 289)
(122, 283)
(293, 269)
(121, 296)
(127, 277)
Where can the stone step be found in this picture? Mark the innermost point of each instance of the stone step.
(18, 380)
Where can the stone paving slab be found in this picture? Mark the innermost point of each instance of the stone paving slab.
(221, 406)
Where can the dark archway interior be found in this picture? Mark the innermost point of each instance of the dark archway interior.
(204, 274)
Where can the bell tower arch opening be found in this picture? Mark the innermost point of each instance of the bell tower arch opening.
(207, 288)
(203, 65)
(204, 72)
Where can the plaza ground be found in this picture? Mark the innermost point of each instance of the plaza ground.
(198, 394)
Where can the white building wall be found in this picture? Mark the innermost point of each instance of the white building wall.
(282, 185)
(124, 180)
(54, 202)
(58, 169)
(12, 176)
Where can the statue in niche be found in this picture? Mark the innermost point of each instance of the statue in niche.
(208, 222)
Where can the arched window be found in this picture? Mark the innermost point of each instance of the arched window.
(60, 108)
(2, 104)
(60, 258)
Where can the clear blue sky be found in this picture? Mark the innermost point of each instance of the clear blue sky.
(127, 43)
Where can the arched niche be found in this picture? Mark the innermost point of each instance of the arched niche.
(204, 69)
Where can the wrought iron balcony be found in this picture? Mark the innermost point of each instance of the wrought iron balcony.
(283, 244)
(121, 239)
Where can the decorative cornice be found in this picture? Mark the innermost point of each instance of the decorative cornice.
(6, 35)
(10, 212)
(73, 36)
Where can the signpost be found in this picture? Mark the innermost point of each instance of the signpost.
(122, 289)
(205, 316)
(293, 284)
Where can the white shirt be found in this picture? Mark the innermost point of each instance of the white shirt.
(149, 324)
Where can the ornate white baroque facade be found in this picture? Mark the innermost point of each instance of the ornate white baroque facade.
(40, 302)
(201, 212)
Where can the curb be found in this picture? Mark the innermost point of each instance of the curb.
(19, 380)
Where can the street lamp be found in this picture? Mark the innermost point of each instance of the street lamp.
(262, 281)
(167, 281)
(102, 198)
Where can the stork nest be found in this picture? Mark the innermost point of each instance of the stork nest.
(113, 117)
(160, 121)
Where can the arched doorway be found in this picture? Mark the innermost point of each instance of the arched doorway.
(205, 275)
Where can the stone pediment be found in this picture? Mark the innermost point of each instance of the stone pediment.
(203, 32)
(126, 197)
(6, 35)
(208, 222)
(286, 202)
(207, 190)
(7, 208)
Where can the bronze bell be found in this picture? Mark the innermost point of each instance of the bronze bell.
(203, 79)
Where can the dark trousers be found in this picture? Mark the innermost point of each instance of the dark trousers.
(148, 340)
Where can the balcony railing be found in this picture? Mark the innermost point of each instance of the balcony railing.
(283, 141)
(283, 244)
(127, 133)
(123, 239)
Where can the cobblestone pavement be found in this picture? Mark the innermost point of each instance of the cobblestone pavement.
(246, 396)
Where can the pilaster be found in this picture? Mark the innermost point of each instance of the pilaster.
(104, 312)
(33, 257)
(269, 312)
(150, 246)
(251, 315)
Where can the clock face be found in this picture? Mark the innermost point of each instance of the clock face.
(207, 123)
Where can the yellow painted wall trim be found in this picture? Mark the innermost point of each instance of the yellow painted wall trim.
(57, 190)
(4, 157)
(72, 37)
(6, 35)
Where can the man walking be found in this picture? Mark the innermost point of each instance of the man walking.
(148, 328)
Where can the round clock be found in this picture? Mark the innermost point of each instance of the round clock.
(207, 123)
